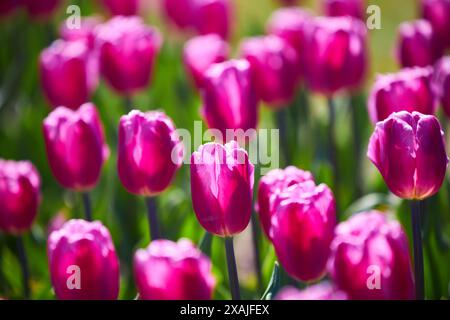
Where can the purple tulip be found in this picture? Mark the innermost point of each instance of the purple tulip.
(179, 12)
(302, 229)
(274, 68)
(271, 185)
(86, 32)
(149, 152)
(19, 195)
(42, 9)
(409, 151)
(342, 8)
(222, 188)
(417, 45)
(212, 16)
(370, 258)
(407, 90)
(441, 83)
(83, 262)
(7, 7)
(201, 52)
(56, 223)
(320, 291)
(128, 49)
(229, 97)
(122, 7)
(69, 73)
(336, 55)
(438, 13)
(76, 147)
(168, 270)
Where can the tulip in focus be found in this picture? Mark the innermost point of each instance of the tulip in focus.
(320, 291)
(122, 7)
(409, 151)
(342, 8)
(212, 16)
(168, 270)
(222, 188)
(83, 262)
(441, 83)
(368, 246)
(19, 195)
(41, 9)
(75, 144)
(438, 13)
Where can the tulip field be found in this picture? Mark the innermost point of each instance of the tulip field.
(224, 149)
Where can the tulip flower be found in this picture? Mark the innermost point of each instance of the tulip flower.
(128, 49)
(302, 229)
(69, 73)
(167, 270)
(212, 16)
(320, 291)
(370, 258)
(201, 52)
(83, 262)
(7, 7)
(179, 12)
(417, 44)
(229, 97)
(341, 8)
(271, 185)
(85, 32)
(274, 68)
(438, 13)
(122, 7)
(441, 83)
(407, 90)
(41, 9)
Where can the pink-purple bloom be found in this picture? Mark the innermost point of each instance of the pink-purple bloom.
(122, 7)
(441, 83)
(85, 32)
(212, 16)
(342, 8)
(438, 13)
(179, 12)
(42, 9)
(321, 291)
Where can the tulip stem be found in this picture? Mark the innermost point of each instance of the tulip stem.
(256, 252)
(284, 143)
(332, 144)
(153, 218)
(128, 101)
(24, 266)
(232, 270)
(416, 208)
(356, 145)
(87, 206)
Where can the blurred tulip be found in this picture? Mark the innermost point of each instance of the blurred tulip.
(76, 147)
(302, 229)
(41, 9)
(368, 246)
(149, 152)
(417, 45)
(85, 32)
(342, 8)
(168, 270)
(69, 73)
(128, 49)
(274, 68)
(83, 262)
(56, 223)
(407, 90)
(320, 291)
(19, 195)
(271, 185)
(179, 12)
(7, 7)
(222, 188)
(438, 13)
(336, 56)
(201, 52)
(409, 151)
(122, 7)
(229, 97)
(212, 16)
(441, 83)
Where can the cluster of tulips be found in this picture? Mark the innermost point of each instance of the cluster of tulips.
(298, 215)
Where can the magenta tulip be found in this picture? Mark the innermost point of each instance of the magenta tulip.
(441, 83)
(370, 258)
(409, 151)
(168, 270)
(201, 52)
(302, 229)
(75, 144)
(274, 64)
(7, 7)
(320, 291)
(149, 152)
(212, 16)
(85, 32)
(128, 49)
(41, 9)
(341, 8)
(19, 195)
(438, 13)
(179, 12)
(336, 54)
(407, 90)
(271, 185)
(222, 188)
(83, 262)
(229, 97)
(122, 7)
(69, 73)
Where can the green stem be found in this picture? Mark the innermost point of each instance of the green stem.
(153, 218)
(87, 206)
(232, 269)
(416, 207)
(22, 256)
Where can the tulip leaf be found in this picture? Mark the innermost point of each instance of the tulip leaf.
(369, 202)
(206, 243)
(274, 283)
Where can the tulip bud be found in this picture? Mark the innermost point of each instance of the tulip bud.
(83, 262)
(42, 9)
(370, 258)
(201, 52)
(149, 152)
(229, 97)
(342, 8)
(409, 151)
(212, 16)
(274, 68)
(69, 73)
(122, 7)
(222, 187)
(179, 12)
(168, 270)
(407, 90)
(75, 144)
(417, 45)
(438, 13)
(320, 291)
(86, 31)
(441, 83)
(302, 229)
(336, 55)
(128, 49)
(19, 195)
(271, 185)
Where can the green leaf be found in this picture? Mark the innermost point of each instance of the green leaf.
(274, 283)
(205, 243)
